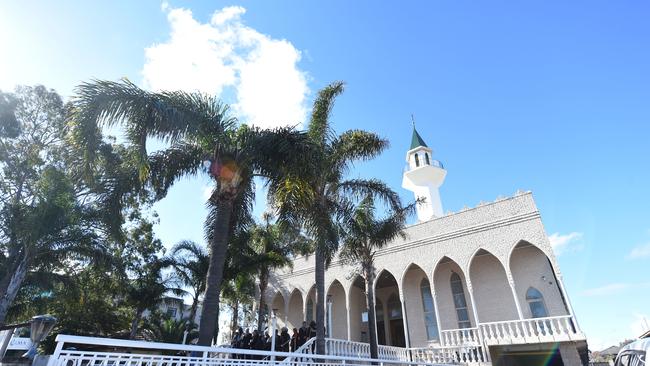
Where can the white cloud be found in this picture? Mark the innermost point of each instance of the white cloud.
(614, 288)
(640, 251)
(224, 57)
(563, 243)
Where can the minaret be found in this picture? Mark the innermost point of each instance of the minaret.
(423, 176)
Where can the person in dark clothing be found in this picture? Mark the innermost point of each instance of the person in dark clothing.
(246, 342)
(312, 334)
(257, 344)
(285, 339)
(293, 346)
(312, 330)
(303, 334)
(267, 341)
(246, 339)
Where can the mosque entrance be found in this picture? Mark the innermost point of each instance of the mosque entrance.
(390, 321)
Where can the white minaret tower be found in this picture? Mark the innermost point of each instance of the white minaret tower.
(423, 176)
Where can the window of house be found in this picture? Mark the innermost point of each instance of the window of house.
(430, 322)
(426, 158)
(460, 303)
(171, 312)
(536, 303)
(417, 160)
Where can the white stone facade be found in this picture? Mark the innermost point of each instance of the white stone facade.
(500, 252)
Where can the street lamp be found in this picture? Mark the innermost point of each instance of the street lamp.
(41, 326)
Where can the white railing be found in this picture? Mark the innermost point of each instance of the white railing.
(117, 352)
(536, 330)
(471, 355)
(460, 337)
(341, 347)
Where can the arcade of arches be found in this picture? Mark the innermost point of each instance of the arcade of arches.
(415, 311)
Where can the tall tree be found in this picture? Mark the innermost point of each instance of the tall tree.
(190, 261)
(274, 246)
(318, 198)
(198, 129)
(147, 290)
(50, 213)
(364, 235)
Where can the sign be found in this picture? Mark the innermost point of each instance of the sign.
(19, 343)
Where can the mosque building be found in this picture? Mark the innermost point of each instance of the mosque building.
(481, 284)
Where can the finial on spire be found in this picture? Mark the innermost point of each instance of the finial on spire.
(412, 120)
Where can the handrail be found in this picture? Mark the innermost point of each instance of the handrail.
(522, 320)
(61, 339)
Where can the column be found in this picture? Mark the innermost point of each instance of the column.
(484, 348)
(471, 300)
(286, 310)
(347, 313)
(511, 282)
(569, 354)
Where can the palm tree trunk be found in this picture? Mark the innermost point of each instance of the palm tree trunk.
(320, 300)
(135, 323)
(195, 304)
(369, 277)
(264, 281)
(11, 284)
(218, 246)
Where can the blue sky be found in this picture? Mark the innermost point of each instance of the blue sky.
(552, 97)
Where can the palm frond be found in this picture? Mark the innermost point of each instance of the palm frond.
(319, 126)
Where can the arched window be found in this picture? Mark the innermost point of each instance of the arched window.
(536, 303)
(417, 160)
(429, 310)
(426, 158)
(310, 310)
(460, 303)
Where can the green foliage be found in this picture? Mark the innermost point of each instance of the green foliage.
(160, 328)
(49, 215)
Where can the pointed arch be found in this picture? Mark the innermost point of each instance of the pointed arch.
(448, 313)
(358, 311)
(390, 325)
(336, 311)
(492, 293)
(296, 307)
(310, 303)
(422, 319)
(531, 267)
(278, 304)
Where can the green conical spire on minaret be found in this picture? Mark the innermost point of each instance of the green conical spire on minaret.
(416, 140)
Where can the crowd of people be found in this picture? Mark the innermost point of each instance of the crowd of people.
(283, 341)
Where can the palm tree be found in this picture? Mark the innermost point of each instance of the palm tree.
(168, 330)
(318, 198)
(364, 235)
(274, 246)
(198, 129)
(190, 261)
(237, 291)
(148, 289)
